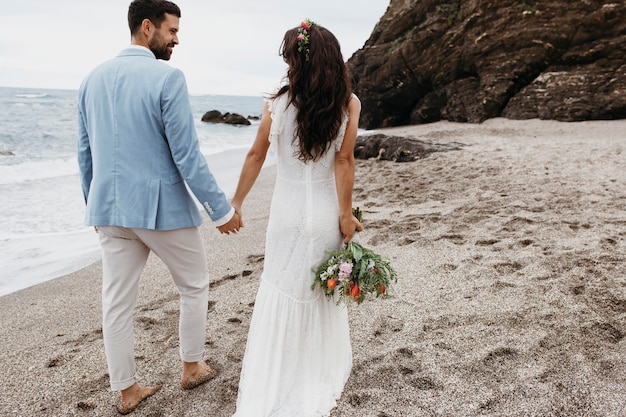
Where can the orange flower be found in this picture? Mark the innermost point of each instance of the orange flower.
(355, 291)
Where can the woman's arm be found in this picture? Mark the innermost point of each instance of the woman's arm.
(344, 173)
(254, 160)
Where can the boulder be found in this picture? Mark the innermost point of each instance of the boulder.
(397, 148)
(215, 116)
(470, 60)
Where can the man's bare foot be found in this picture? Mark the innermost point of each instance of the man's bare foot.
(132, 396)
(196, 374)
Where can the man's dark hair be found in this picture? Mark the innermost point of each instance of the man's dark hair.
(149, 9)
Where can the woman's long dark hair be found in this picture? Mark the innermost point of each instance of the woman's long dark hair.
(319, 87)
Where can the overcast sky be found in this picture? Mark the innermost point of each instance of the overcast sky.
(226, 47)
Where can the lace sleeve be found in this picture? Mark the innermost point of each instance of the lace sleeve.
(341, 133)
(277, 108)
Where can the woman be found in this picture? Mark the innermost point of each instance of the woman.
(298, 355)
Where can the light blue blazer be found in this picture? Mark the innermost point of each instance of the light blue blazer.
(138, 147)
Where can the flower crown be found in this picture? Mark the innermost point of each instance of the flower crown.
(304, 42)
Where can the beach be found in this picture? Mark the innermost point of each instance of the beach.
(511, 298)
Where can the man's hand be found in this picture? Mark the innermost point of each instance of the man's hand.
(233, 224)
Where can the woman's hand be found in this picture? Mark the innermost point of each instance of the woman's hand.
(348, 224)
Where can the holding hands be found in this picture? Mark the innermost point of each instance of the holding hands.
(233, 224)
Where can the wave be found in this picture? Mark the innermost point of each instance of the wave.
(55, 168)
(37, 170)
(33, 95)
(33, 259)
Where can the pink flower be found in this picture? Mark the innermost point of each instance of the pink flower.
(345, 268)
(305, 26)
(300, 37)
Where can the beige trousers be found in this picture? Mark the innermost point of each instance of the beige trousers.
(124, 255)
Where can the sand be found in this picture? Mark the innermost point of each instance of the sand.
(511, 298)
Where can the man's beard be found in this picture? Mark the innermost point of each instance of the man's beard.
(159, 48)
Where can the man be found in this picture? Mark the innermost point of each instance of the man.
(137, 149)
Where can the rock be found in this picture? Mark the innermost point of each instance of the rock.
(7, 153)
(470, 60)
(212, 116)
(236, 119)
(397, 148)
(215, 116)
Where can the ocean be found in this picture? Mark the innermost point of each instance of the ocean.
(42, 235)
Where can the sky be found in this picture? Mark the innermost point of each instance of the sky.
(226, 47)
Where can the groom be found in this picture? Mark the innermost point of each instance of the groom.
(137, 151)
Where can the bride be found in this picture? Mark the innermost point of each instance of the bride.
(298, 354)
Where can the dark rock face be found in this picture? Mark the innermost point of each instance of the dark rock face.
(471, 60)
(398, 148)
(215, 116)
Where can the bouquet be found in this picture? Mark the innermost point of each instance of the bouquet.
(354, 272)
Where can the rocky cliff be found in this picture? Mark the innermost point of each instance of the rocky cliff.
(471, 60)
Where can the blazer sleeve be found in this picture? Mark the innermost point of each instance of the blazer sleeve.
(183, 142)
(85, 167)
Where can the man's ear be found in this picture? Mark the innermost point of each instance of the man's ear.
(146, 26)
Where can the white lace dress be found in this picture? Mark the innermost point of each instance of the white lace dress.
(298, 354)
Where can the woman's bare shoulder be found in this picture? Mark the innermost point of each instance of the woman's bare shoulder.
(354, 104)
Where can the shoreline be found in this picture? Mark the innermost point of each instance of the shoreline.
(510, 301)
(59, 254)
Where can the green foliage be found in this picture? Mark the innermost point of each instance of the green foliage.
(356, 212)
(354, 272)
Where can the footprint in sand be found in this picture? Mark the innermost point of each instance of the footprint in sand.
(499, 356)
(500, 285)
(75, 347)
(508, 267)
(254, 259)
(517, 223)
(148, 322)
(448, 267)
(486, 242)
(394, 369)
(412, 370)
(58, 360)
(387, 325)
(359, 400)
(85, 338)
(604, 332)
(454, 238)
(223, 280)
(406, 240)
(85, 406)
